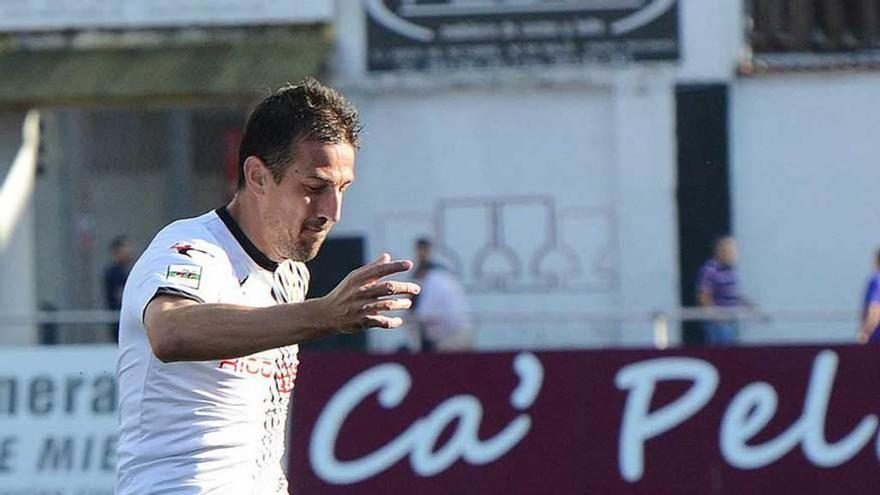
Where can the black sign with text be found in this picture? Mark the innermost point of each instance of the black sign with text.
(430, 35)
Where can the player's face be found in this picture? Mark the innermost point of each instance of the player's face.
(124, 253)
(727, 251)
(307, 202)
(423, 253)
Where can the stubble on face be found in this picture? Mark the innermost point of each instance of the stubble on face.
(332, 166)
(306, 249)
(292, 245)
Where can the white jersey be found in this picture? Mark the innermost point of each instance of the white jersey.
(211, 426)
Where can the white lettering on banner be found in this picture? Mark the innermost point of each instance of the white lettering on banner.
(640, 425)
(755, 405)
(747, 414)
(391, 382)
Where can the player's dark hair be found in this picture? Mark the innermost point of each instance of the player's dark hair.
(423, 242)
(306, 110)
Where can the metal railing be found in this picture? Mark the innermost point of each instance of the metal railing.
(761, 324)
(660, 323)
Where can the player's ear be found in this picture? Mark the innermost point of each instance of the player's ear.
(256, 174)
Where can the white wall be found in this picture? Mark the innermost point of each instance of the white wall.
(594, 146)
(712, 39)
(599, 161)
(806, 194)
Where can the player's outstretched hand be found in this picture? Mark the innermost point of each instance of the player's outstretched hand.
(360, 300)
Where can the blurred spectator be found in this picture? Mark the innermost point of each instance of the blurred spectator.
(871, 308)
(440, 310)
(122, 255)
(718, 287)
(49, 334)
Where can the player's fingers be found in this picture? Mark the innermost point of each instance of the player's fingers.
(379, 321)
(388, 305)
(364, 271)
(390, 288)
(378, 270)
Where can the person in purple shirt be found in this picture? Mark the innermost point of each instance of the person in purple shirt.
(870, 329)
(718, 287)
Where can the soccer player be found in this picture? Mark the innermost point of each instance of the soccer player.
(212, 312)
(870, 328)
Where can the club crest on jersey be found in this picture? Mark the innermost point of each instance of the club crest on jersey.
(185, 248)
(188, 275)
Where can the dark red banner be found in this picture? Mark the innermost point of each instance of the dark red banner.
(769, 420)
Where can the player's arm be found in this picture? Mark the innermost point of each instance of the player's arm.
(704, 299)
(872, 320)
(704, 288)
(181, 329)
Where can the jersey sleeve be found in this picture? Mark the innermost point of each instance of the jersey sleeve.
(192, 268)
(874, 291)
(705, 279)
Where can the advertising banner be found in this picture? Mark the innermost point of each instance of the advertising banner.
(767, 420)
(450, 34)
(58, 420)
(729, 421)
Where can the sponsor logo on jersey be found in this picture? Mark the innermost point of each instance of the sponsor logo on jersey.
(282, 370)
(185, 248)
(188, 275)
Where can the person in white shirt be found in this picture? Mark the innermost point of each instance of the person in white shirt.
(213, 310)
(441, 310)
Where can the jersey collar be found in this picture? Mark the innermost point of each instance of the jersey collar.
(246, 244)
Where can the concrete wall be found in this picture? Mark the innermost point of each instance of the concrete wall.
(569, 168)
(712, 40)
(805, 195)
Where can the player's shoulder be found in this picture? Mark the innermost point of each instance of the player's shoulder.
(710, 266)
(191, 237)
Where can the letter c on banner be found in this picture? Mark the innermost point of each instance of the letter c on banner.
(392, 382)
